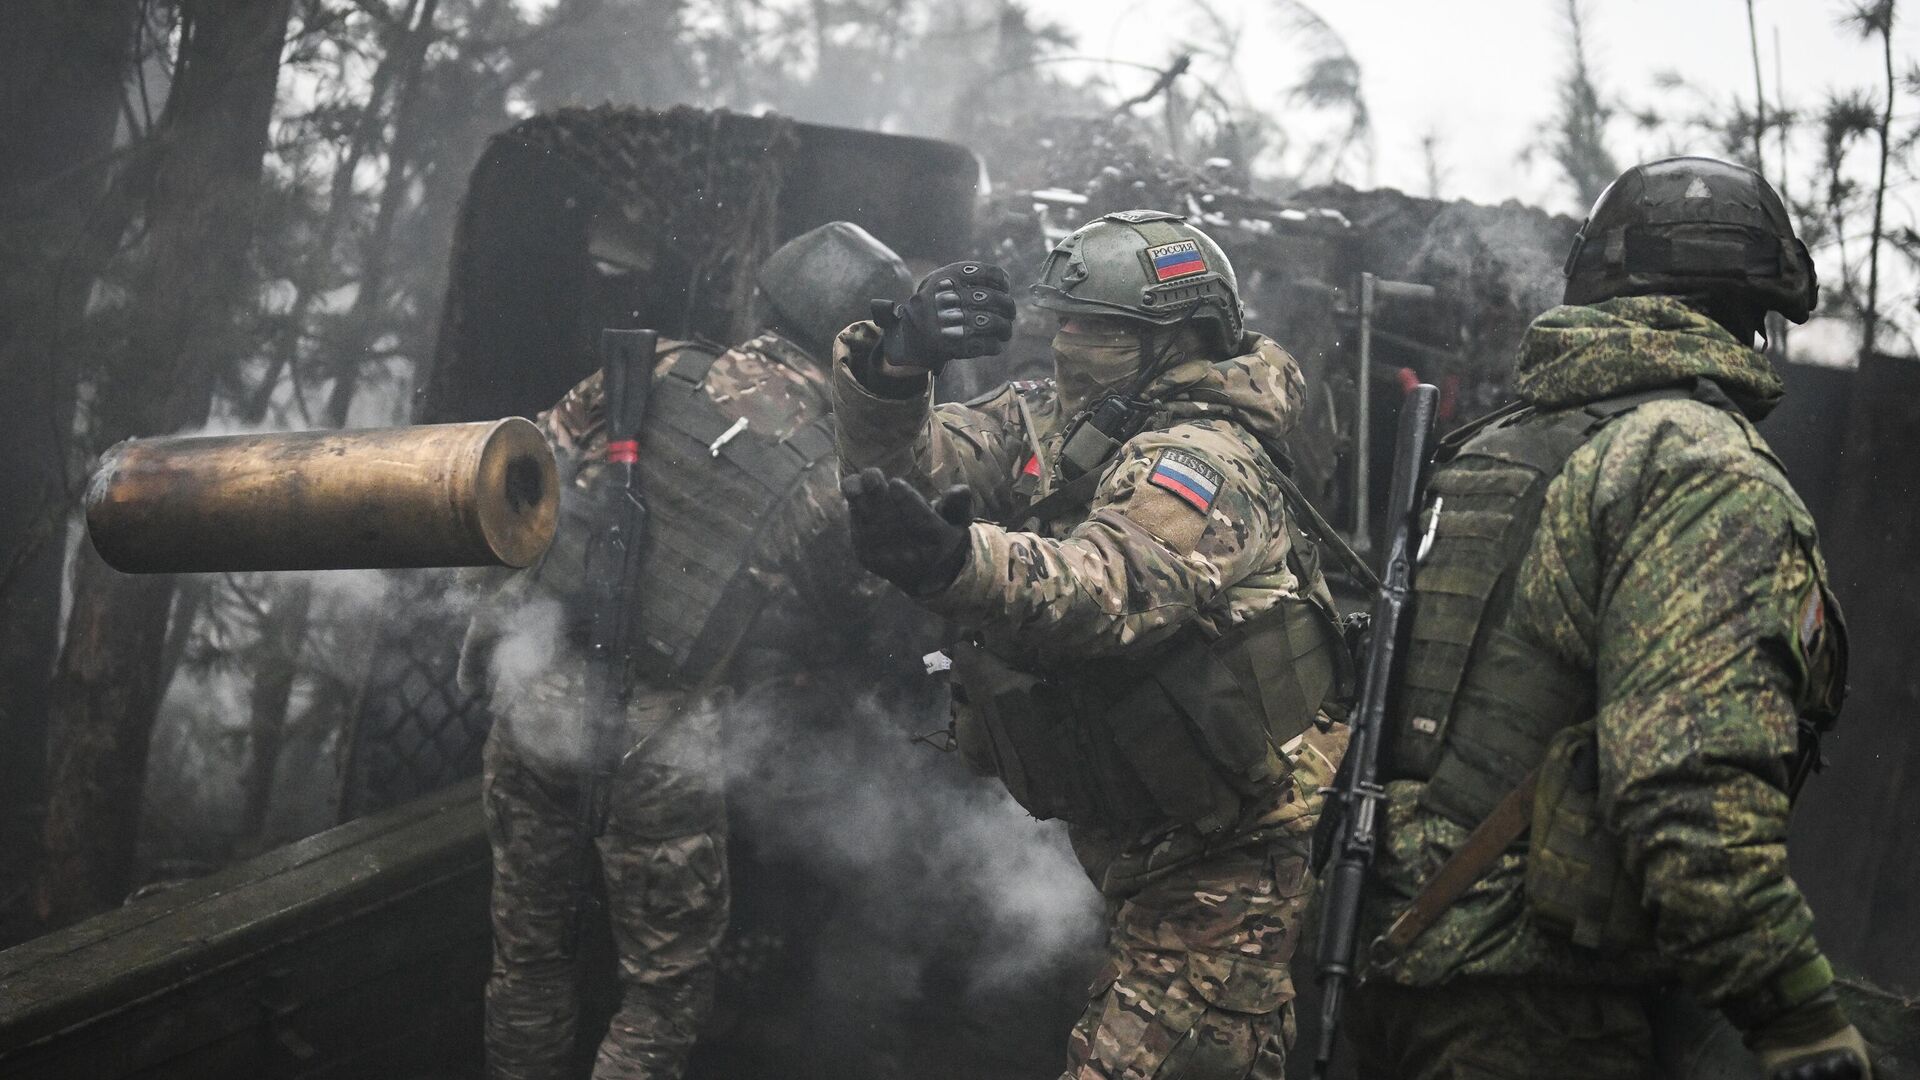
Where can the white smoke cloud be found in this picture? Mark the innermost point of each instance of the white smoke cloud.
(928, 858)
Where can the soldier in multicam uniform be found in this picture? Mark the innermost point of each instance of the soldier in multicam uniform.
(745, 575)
(1150, 641)
(1623, 651)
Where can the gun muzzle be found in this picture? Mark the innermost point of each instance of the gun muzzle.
(483, 494)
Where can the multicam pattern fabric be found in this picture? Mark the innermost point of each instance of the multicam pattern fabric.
(1108, 580)
(663, 854)
(1202, 926)
(1671, 562)
(666, 901)
(1196, 984)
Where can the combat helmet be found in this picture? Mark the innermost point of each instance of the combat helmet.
(1690, 226)
(1148, 265)
(823, 280)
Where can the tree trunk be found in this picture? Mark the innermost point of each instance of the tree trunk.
(370, 304)
(62, 66)
(282, 634)
(191, 282)
(1871, 336)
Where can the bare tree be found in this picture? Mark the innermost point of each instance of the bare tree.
(63, 68)
(1578, 141)
(1870, 20)
(198, 187)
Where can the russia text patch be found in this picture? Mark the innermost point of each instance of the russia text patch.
(1193, 480)
(1177, 260)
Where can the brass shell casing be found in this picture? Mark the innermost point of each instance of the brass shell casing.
(482, 494)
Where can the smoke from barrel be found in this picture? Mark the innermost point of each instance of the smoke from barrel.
(480, 494)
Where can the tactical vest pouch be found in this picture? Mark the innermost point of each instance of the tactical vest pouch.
(1242, 696)
(1023, 729)
(1575, 884)
(1183, 733)
(1518, 697)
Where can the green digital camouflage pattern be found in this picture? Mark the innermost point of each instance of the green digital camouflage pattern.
(663, 854)
(1202, 927)
(1673, 561)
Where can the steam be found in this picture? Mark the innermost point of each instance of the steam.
(929, 860)
(926, 865)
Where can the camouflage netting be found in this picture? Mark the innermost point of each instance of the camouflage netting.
(607, 217)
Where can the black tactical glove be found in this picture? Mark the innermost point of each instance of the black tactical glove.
(902, 537)
(961, 310)
(1813, 1042)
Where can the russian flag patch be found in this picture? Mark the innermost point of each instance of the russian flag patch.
(1192, 480)
(1176, 260)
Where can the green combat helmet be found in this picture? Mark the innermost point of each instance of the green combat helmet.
(822, 281)
(1148, 265)
(1690, 226)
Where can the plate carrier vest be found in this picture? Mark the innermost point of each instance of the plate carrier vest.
(709, 496)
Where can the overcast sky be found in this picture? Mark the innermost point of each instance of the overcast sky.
(1480, 73)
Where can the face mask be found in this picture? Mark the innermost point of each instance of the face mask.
(1090, 365)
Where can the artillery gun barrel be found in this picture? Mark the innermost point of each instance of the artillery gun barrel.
(481, 494)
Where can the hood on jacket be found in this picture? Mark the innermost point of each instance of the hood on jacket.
(1261, 388)
(1574, 354)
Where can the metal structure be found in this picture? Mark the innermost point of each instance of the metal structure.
(479, 494)
(586, 219)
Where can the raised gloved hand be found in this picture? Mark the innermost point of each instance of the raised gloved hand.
(901, 536)
(1813, 1042)
(961, 310)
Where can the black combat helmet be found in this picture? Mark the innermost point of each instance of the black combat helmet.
(823, 280)
(1691, 226)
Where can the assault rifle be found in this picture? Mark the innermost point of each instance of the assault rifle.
(1353, 802)
(613, 559)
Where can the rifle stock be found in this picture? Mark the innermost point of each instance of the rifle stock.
(612, 566)
(1356, 794)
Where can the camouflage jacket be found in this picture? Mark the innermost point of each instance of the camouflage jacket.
(1143, 560)
(816, 597)
(1674, 563)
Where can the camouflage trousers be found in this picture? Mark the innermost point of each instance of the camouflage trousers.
(664, 860)
(1500, 1029)
(1196, 984)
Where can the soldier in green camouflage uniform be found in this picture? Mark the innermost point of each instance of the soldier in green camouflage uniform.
(1091, 570)
(794, 599)
(1671, 603)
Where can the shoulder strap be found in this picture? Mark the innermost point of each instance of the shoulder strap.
(1467, 865)
(691, 364)
(1066, 498)
(1304, 515)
